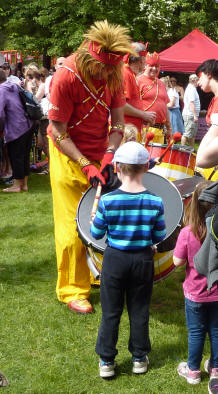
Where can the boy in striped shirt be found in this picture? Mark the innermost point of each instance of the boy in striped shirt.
(133, 219)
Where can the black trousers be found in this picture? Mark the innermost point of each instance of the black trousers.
(19, 154)
(127, 274)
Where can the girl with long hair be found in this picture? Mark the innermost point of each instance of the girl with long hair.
(201, 304)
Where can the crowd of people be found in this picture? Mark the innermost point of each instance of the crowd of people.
(110, 86)
(18, 132)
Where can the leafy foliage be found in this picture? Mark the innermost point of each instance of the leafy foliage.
(56, 27)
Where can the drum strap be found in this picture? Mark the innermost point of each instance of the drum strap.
(157, 92)
(101, 102)
(98, 99)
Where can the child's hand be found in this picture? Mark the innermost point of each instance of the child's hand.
(157, 160)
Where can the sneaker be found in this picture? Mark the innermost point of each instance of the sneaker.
(213, 372)
(9, 181)
(3, 380)
(192, 377)
(106, 369)
(140, 365)
(213, 386)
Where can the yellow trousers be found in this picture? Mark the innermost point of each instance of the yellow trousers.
(158, 135)
(68, 183)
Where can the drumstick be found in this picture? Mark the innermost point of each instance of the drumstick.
(149, 137)
(176, 137)
(96, 201)
(212, 173)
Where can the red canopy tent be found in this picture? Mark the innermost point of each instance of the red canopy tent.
(188, 53)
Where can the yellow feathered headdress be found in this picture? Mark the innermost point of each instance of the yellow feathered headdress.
(104, 47)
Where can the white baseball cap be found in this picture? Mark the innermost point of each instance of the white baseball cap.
(131, 153)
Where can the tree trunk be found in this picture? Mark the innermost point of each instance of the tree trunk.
(46, 60)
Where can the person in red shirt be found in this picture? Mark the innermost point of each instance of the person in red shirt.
(86, 90)
(133, 110)
(207, 155)
(155, 98)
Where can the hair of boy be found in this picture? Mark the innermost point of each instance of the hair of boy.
(195, 212)
(209, 67)
(132, 169)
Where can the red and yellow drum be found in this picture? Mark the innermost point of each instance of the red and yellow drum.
(173, 207)
(178, 163)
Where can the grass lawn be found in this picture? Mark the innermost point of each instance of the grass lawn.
(45, 348)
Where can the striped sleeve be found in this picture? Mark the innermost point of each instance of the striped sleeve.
(99, 226)
(159, 229)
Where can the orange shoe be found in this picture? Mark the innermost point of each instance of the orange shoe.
(80, 306)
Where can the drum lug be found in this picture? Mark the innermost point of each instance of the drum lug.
(92, 266)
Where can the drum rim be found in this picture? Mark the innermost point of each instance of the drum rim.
(100, 249)
(175, 147)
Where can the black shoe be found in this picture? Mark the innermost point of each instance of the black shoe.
(9, 181)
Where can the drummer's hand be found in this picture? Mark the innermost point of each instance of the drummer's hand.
(93, 174)
(149, 117)
(107, 169)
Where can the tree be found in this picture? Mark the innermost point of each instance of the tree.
(56, 27)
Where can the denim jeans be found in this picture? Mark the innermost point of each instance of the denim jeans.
(201, 318)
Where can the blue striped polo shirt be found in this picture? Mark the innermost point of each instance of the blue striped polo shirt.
(132, 221)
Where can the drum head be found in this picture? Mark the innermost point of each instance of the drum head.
(156, 184)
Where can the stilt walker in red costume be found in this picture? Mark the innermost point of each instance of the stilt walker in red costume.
(133, 110)
(86, 90)
(155, 98)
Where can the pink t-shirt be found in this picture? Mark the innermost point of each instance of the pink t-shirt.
(195, 285)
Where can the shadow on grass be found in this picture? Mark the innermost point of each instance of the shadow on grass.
(27, 272)
(95, 296)
(26, 230)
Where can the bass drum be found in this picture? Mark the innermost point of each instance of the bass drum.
(173, 207)
(178, 162)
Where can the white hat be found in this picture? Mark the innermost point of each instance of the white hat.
(131, 153)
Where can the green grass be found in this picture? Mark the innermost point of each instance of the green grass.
(44, 348)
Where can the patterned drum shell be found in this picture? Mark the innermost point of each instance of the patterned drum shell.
(178, 163)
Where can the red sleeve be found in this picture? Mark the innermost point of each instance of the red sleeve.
(213, 109)
(127, 85)
(181, 250)
(63, 91)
